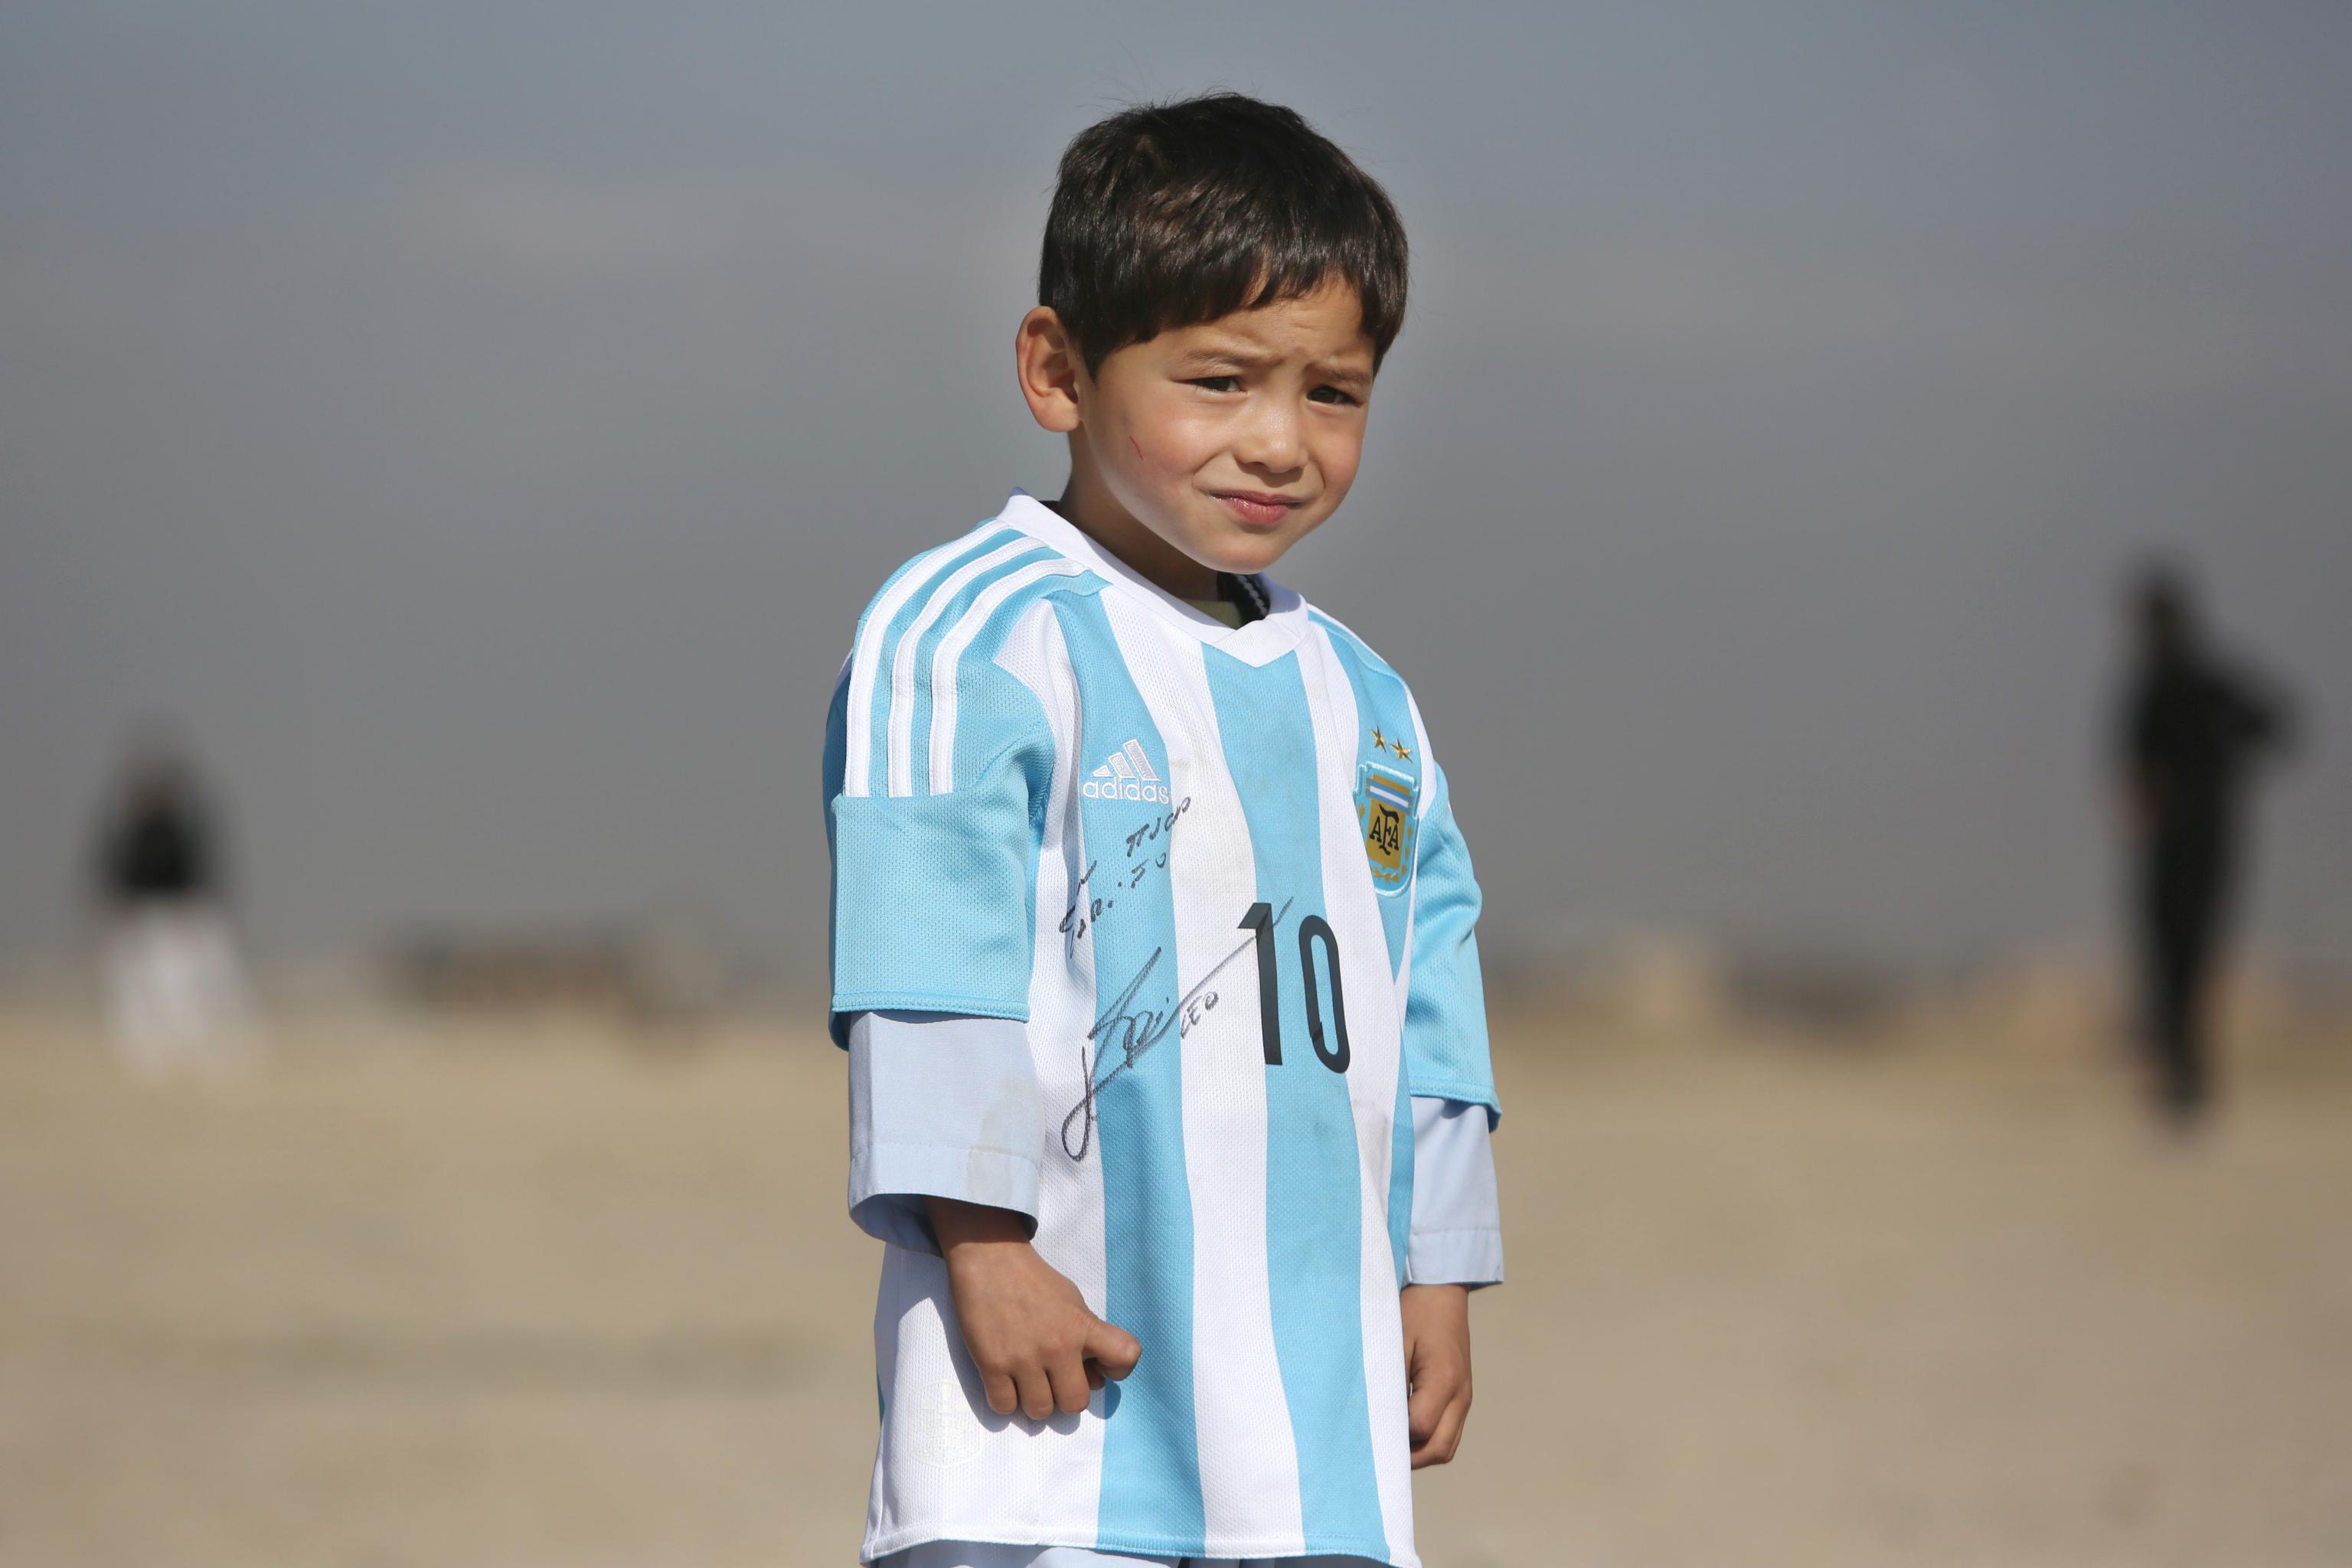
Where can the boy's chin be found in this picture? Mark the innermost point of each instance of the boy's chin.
(1245, 556)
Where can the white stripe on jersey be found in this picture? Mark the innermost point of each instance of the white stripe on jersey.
(943, 675)
(1249, 1476)
(1428, 757)
(964, 1465)
(902, 663)
(865, 658)
(1061, 998)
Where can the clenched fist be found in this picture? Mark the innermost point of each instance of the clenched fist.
(1436, 1369)
(1036, 1345)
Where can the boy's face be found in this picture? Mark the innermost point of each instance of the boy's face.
(1226, 442)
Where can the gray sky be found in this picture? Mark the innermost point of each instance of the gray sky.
(481, 424)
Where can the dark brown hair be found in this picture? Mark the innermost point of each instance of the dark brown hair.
(1169, 215)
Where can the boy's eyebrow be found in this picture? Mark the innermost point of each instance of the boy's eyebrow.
(1231, 353)
(1336, 371)
(1250, 359)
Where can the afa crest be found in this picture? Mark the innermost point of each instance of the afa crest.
(1384, 805)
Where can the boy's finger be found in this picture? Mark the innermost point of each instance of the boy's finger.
(1426, 1405)
(1002, 1396)
(1442, 1442)
(1113, 1348)
(1036, 1393)
(1070, 1385)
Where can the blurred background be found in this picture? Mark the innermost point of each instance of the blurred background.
(443, 451)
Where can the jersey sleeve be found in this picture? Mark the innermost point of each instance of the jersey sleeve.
(939, 765)
(1446, 1001)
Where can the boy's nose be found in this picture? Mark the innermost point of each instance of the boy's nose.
(1271, 442)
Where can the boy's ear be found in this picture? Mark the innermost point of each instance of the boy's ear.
(1048, 367)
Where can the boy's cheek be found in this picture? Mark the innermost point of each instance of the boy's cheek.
(1338, 473)
(1154, 472)
(1140, 446)
(1339, 477)
(1172, 451)
(1342, 452)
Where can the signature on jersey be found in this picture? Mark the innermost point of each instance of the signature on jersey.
(1135, 1030)
(1087, 908)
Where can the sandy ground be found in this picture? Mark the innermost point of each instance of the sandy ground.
(529, 1297)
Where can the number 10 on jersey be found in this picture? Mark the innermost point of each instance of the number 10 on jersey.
(1314, 931)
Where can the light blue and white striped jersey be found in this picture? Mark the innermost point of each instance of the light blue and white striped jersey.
(1215, 872)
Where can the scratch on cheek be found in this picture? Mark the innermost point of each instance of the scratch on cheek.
(1131, 441)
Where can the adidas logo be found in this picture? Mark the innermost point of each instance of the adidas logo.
(1127, 776)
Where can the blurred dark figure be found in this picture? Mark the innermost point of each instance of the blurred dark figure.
(157, 847)
(176, 992)
(2192, 726)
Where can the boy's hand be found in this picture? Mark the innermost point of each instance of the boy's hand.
(1037, 1347)
(1437, 1368)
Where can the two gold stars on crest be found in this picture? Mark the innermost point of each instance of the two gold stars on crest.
(1384, 743)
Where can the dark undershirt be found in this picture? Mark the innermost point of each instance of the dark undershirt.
(1240, 600)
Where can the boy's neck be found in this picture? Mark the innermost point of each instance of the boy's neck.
(1089, 506)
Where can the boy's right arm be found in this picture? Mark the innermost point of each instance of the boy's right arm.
(932, 813)
(944, 1126)
(1037, 1346)
(944, 1129)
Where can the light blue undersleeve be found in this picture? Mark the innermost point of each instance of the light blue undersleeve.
(1458, 1214)
(944, 1105)
(940, 1105)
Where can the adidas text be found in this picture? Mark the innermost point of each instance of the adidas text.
(1126, 774)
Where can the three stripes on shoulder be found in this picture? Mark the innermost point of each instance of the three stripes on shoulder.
(895, 689)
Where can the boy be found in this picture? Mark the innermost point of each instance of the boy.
(1152, 930)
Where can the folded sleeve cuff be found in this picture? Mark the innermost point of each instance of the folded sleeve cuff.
(1456, 1236)
(1472, 1257)
(888, 1182)
(940, 1106)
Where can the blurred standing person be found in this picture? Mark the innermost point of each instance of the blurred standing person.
(175, 986)
(2192, 725)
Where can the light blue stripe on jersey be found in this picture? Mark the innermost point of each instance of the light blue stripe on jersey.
(1150, 1498)
(878, 718)
(1381, 703)
(952, 612)
(1314, 1216)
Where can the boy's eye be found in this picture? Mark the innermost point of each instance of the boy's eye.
(1334, 395)
(1217, 383)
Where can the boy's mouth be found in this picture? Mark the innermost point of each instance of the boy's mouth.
(1257, 509)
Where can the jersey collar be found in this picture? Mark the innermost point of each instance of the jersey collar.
(1260, 642)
